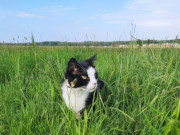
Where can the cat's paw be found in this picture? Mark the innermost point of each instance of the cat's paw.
(78, 115)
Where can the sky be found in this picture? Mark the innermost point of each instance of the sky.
(88, 20)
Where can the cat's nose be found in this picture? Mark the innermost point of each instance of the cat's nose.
(94, 84)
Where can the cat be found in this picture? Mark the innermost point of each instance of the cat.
(80, 84)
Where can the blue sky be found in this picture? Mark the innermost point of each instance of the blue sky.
(82, 20)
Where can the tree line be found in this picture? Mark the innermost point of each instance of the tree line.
(96, 43)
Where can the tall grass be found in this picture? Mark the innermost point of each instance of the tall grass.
(142, 95)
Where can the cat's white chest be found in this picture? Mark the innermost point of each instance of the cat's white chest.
(75, 98)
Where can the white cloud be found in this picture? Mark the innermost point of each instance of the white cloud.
(79, 20)
(5, 14)
(87, 28)
(154, 23)
(66, 9)
(149, 15)
(59, 13)
(55, 10)
(27, 15)
(115, 21)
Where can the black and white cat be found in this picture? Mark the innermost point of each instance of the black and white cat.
(80, 83)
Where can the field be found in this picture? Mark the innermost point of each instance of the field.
(142, 94)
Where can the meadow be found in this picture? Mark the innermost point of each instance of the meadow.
(142, 94)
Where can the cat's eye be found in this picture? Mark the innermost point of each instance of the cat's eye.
(84, 77)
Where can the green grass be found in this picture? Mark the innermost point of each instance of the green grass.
(142, 96)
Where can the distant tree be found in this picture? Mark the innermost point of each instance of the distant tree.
(177, 39)
(139, 42)
(59, 44)
(148, 41)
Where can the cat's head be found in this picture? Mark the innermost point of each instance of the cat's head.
(82, 74)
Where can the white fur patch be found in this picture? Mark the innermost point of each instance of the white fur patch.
(91, 74)
(74, 98)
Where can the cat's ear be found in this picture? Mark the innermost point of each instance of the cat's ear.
(92, 59)
(72, 66)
